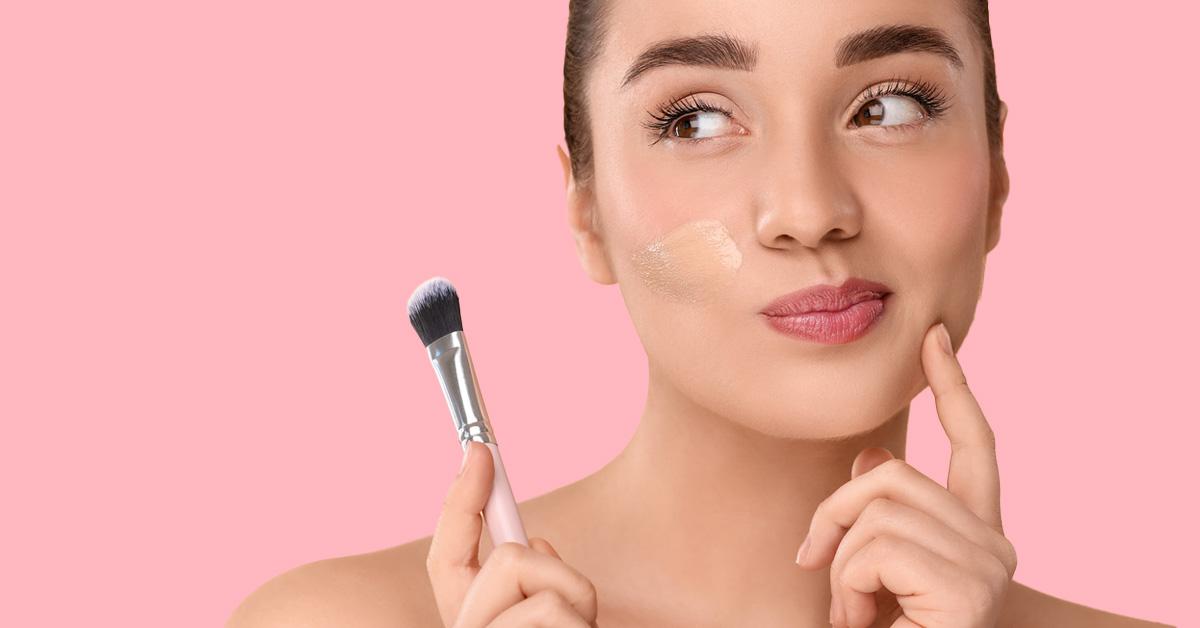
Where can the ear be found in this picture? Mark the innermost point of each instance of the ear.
(582, 220)
(998, 187)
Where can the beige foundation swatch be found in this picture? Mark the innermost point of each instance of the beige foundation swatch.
(691, 263)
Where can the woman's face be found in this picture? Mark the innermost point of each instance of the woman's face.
(808, 166)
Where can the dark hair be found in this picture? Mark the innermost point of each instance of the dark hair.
(586, 28)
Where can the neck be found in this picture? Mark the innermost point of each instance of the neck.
(710, 510)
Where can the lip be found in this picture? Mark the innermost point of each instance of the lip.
(829, 314)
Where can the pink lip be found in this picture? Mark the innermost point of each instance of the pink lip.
(829, 314)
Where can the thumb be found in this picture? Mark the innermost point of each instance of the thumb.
(542, 545)
(868, 459)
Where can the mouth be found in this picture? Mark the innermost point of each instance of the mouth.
(829, 314)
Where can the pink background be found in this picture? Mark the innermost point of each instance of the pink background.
(213, 213)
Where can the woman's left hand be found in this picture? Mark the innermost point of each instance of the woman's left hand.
(940, 552)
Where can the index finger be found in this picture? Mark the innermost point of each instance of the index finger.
(453, 559)
(974, 475)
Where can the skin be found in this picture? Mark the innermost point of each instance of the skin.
(694, 263)
(751, 438)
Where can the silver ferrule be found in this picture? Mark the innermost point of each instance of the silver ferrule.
(452, 363)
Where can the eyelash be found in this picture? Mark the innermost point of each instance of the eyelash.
(673, 110)
(929, 96)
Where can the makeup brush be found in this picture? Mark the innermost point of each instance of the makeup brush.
(434, 312)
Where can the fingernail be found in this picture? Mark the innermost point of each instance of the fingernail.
(944, 339)
(803, 552)
(466, 456)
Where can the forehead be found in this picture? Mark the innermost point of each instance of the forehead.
(789, 37)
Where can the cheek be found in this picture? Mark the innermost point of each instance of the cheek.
(648, 192)
(665, 225)
(692, 263)
(929, 213)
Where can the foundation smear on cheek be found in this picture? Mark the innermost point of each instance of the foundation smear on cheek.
(691, 263)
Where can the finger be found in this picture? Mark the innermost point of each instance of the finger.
(883, 517)
(894, 479)
(921, 580)
(836, 616)
(886, 517)
(974, 476)
(543, 546)
(514, 572)
(868, 459)
(545, 609)
(453, 559)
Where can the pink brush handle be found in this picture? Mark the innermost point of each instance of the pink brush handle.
(503, 520)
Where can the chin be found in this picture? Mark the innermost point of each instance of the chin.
(813, 402)
(787, 388)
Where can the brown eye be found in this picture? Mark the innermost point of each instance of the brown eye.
(699, 125)
(689, 121)
(889, 107)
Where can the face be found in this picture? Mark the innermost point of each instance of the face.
(718, 189)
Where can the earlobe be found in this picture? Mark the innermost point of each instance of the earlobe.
(998, 187)
(581, 219)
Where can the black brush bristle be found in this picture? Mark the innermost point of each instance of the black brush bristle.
(433, 309)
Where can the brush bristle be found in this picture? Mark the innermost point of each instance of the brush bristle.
(433, 309)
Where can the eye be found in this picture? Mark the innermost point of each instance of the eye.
(901, 103)
(698, 125)
(885, 110)
(690, 120)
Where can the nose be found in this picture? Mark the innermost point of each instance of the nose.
(806, 198)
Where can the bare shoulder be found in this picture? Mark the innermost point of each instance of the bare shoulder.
(388, 587)
(1029, 608)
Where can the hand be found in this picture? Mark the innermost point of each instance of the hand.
(517, 586)
(891, 532)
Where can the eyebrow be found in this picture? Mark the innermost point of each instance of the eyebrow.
(728, 52)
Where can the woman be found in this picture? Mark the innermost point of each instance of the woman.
(724, 156)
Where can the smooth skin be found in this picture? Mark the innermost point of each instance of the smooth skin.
(938, 553)
(898, 549)
(749, 440)
(517, 585)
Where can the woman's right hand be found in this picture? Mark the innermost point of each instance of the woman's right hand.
(518, 586)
